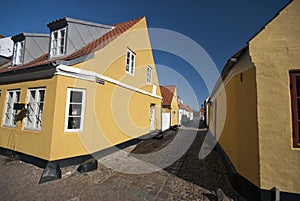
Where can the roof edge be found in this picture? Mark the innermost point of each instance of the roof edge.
(65, 20)
(269, 21)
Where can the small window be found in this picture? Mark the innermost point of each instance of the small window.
(10, 115)
(149, 75)
(130, 62)
(18, 56)
(295, 103)
(58, 42)
(35, 105)
(75, 107)
(154, 89)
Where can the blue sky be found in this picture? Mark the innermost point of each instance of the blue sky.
(220, 27)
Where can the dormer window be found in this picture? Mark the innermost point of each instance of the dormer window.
(130, 62)
(58, 42)
(18, 56)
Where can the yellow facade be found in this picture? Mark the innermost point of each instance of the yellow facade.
(174, 109)
(257, 130)
(115, 112)
(275, 51)
(238, 134)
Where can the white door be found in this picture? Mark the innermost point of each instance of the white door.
(152, 117)
(165, 118)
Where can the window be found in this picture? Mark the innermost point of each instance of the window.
(18, 56)
(35, 105)
(12, 97)
(75, 110)
(130, 62)
(149, 75)
(58, 42)
(154, 89)
(295, 102)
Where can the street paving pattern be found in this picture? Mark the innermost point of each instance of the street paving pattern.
(154, 169)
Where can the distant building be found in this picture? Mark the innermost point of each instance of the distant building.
(169, 107)
(185, 113)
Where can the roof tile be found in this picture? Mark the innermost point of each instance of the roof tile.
(167, 93)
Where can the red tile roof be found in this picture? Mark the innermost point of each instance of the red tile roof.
(91, 47)
(167, 93)
(185, 107)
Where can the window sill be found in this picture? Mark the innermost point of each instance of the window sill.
(32, 129)
(74, 131)
(132, 74)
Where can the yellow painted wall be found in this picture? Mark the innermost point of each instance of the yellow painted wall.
(238, 134)
(113, 66)
(174, 109)
(113, 114)
(275, 51)
(36, 143)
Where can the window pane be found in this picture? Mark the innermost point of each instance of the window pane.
(74, 123)
(31, 96)
(35, 108)
(75, 109)
(40, 108)
(41, 95)
(76, 97)
(17, 96)
(7, 119)
(62, 33)
(29, 121)
(298, 85)
(54, 35)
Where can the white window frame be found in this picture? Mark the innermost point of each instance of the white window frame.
(69, 90)
(55, 51)
(36, 115)
(18, 57)
(130, 62)
(149, 75)
(13, 113)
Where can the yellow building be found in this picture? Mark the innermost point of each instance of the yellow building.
(254, 112)
(95, 88)
(169, 107)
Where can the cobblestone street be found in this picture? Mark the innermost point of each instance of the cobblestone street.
(186, 179)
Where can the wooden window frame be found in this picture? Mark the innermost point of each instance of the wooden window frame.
(11, 122)
(130, 62)
(57, 42)
(294, 108)
(18, 51)
(36, 116)
(67, 115)
(149, 75)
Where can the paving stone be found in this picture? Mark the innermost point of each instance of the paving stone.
(188, 178)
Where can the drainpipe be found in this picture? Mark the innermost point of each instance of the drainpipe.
(277, 193)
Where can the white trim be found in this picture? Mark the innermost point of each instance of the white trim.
(68, 107)
(149, 75)
(26, 127)
(18, 53)
(92, 76)
(131, 65)
(10, 123)
(58, 42)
